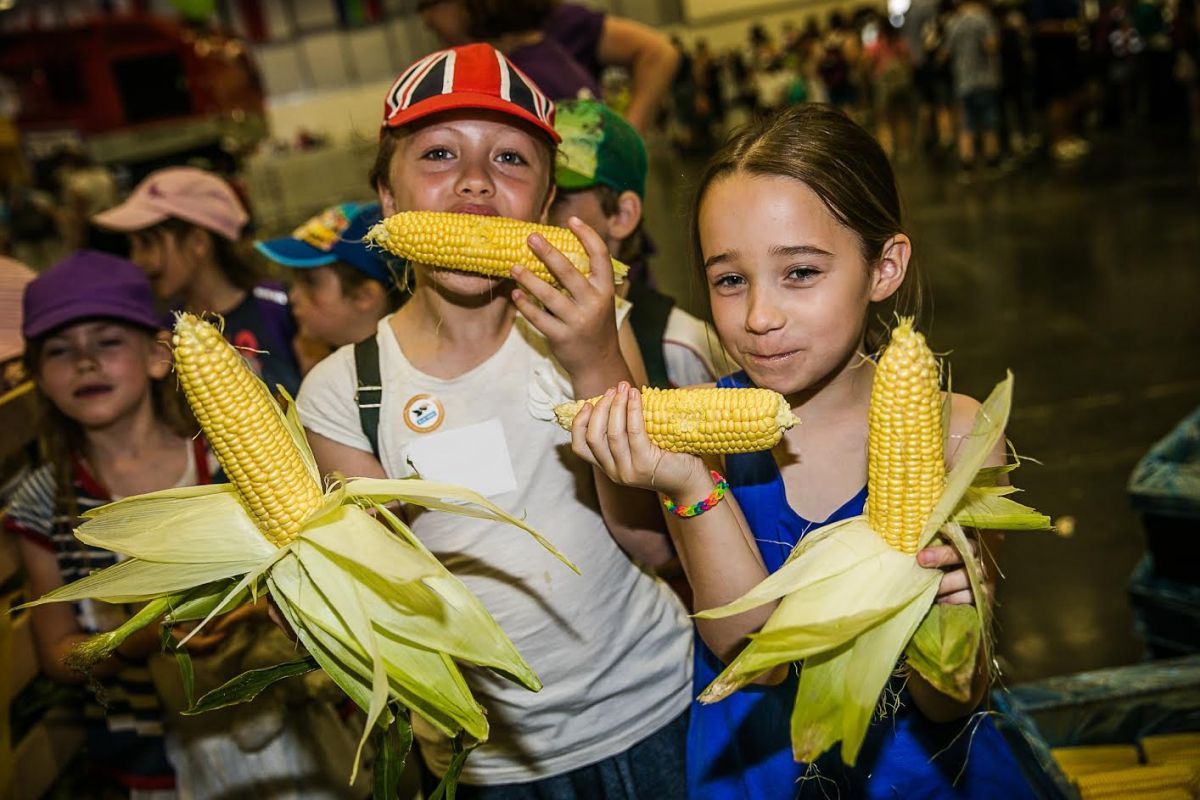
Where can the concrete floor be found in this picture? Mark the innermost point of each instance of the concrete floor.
(1085, 281)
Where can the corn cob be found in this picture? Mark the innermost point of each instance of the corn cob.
(1134, 782)
(1085, 760)
(906, 469)
(475, 243)
(706, 421)
(244, 425)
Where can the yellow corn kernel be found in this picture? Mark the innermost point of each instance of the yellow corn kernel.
(476, 243)
(1084, 760)
(906, 469)
(706, 421)
(244, 426)
(1134, 782)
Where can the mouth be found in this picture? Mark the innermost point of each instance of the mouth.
(770, 359)
(477, 209)
(92, 390)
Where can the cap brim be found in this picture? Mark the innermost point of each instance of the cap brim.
(467, 100)
(59, 318)
(129, 217)
(566, 178)
(289, 252)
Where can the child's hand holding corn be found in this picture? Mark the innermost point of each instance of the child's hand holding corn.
(579, 323)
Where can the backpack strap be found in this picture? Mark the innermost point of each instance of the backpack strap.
(368, 394)
(648, 318)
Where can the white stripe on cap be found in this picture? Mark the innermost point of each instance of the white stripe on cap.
(505, 86)
(448, 75)
(402, 83)
(417, 77)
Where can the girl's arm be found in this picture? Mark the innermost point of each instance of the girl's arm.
(580, 326)
(716, 549)
(651, 60)
(955, 587)
(55, 630)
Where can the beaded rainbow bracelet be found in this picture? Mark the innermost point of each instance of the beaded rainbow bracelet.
(696, 509)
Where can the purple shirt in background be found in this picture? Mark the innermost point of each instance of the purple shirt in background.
(578, 29)
(554, 70)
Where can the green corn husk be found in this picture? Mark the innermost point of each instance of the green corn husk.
(375, 609)
(850, 605)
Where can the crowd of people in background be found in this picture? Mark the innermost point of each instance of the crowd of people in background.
(995, 82)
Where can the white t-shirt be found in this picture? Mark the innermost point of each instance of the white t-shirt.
(612, 646)
(692, 351)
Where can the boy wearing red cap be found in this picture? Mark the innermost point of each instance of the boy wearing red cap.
(466, 375)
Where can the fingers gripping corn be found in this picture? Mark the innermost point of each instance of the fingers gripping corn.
(706, 421)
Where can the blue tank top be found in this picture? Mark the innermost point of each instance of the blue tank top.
(740, 748)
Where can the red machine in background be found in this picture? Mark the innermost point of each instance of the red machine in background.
(135, 89)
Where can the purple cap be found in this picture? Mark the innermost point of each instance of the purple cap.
(85, 285)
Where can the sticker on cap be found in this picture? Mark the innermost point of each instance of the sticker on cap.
(424, 413)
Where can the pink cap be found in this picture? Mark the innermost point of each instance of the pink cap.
(186, 193)
(14, 277)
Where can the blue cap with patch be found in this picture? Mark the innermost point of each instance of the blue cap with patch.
(336, 234)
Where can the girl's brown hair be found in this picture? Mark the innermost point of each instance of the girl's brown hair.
(236, 260)
(60, 438)
(835, 158)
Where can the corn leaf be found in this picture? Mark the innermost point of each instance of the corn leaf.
(829, 560)
(438, 613)
(816, 716)
(177, 493)
(249, 579)
(872, 660)
(169, 528)
(986, 430)
(395, 743)
(945, 648)
(991, 476)
(444, 497)
(361, 543)
(989, 509)
(200, 603)
(136, 581)
(295, 429)
(250, 684)
(424, 681)
(974, 566)
(827, 613)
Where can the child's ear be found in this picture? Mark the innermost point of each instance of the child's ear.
(161, 357)
(889, 272)
(387, 203)
(624, 222)
(368, 295)
(198, 242)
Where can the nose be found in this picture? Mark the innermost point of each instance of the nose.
(475, 179)
(763, 313)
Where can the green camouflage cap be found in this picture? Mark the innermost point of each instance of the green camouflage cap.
(598, 147)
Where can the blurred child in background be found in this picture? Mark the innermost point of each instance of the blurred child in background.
(185, 227)
(341, 289)
(601, 179)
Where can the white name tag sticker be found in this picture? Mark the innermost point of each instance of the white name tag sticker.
(475, 457)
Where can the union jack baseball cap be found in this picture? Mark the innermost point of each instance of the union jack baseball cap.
(471, 76)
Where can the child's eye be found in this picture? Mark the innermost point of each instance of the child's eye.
(803, 274)
(437, 154)
(112, 342)
(511, 157)
(728, 281)
(54, 351)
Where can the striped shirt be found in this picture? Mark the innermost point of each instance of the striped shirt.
(126, 718)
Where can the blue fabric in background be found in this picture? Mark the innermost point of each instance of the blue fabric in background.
(740, 748)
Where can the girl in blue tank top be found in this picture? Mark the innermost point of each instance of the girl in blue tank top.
(797, 229)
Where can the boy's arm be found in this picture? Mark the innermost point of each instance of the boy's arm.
(581, 329)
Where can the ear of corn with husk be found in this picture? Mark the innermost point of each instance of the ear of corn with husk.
(378, 612)
(706, 421)
(476, 243)
(852, 598)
